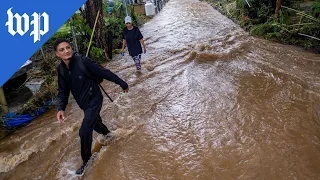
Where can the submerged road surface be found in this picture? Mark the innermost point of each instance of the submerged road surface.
(219, 104)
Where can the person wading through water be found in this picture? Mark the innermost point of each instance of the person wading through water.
(133, 38)
(85, 91)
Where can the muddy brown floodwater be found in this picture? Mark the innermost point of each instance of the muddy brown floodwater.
(219, 104)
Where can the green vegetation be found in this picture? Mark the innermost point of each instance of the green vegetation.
(296, 21)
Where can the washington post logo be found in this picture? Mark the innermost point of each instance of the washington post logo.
(22, 24)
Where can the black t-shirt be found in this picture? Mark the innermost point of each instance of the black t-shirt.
(133, 38)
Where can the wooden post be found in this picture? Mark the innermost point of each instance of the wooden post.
(3, 102)
(94, 28)
(278, 6)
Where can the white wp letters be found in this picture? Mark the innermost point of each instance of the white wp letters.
(23, 24)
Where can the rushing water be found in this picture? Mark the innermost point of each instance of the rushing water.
(219, 104)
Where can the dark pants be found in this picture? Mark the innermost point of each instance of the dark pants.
(92, 121)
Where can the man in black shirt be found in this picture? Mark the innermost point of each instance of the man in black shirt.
(133, 38)
(86, 92)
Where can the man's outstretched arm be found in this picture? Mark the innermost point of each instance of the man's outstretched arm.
(99, 71)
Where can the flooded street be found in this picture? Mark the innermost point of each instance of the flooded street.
(219, 104)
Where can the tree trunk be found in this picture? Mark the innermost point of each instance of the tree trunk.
(73, 34)
(92, 8)
(278, 7)
(3, 101)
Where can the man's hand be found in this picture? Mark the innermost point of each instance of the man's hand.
(60, 116)
(145, 50)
